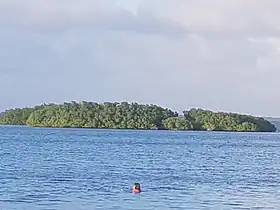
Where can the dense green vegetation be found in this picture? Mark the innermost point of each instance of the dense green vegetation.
(19, 116)
(131, 116)
(275, 121)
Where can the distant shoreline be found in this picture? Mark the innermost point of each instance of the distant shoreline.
(132, 116)
(147, 130)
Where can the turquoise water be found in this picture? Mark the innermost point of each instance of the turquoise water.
(82, 169)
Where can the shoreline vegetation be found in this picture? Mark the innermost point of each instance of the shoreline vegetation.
(126, 115)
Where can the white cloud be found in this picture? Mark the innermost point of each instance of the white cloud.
(219, 15)
(212, 54)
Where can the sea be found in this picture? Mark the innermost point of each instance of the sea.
(88, 169)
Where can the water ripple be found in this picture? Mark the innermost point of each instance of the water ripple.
(45, 168)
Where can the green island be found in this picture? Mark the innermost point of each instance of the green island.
(126, 115)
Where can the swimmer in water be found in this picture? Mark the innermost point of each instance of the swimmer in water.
(136, 188)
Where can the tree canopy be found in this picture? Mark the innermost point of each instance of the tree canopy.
(275, 121)
(126, 115)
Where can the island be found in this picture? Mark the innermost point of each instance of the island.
(275, 121)
(124, 115)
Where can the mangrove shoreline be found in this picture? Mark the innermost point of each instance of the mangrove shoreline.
(126, 115)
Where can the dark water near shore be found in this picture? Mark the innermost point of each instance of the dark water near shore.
(81, 169)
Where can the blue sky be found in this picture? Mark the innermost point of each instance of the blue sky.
(218, 55)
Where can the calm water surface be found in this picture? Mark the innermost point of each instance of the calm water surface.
(80, 169)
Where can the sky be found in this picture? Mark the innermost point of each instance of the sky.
(180, 54)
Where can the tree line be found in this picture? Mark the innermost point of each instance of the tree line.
(126, 115)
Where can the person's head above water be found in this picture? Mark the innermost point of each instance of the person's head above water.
(136, 188)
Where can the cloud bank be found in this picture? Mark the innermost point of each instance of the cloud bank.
(189, 53)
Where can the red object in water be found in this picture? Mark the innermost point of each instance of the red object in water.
(136, 188)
